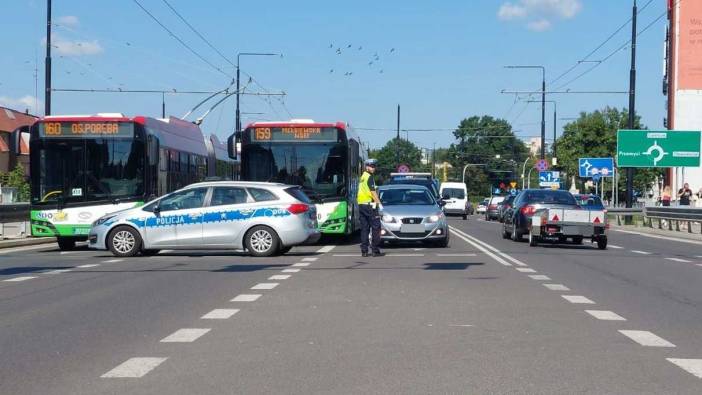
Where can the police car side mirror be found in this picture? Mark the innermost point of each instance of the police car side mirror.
(157, 209)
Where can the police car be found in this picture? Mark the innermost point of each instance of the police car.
(263, 218)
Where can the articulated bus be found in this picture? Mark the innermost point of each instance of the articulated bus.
(83, 167)
(325, 159)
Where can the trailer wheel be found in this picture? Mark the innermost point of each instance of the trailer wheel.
(602, 242)
(578, 240)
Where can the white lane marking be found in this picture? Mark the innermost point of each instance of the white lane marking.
(219, 314)
(88, 265)
(113, 260)
(658, 237)
(185, 335)
(406, 255)
(325, 249)
(246, 298)
(291, 270)
(418, 249)
(678, 260)
(18, 279)
(461, 325)
(30, 248)
(616, 247)
(646, 338)
(526, 270)
(605, 315)
(134, 367)
(69, 252)
(698, 264)
(692, 366)
(302, 264)
(467, 254)
(557, 287)
(577, 299)
(698, 256)
(539, 277)
(481, 248)
(640, 252)
(486, 245)
(309, 259)
(58, 271)
(265, 286)
(279, 277)
(346, 255)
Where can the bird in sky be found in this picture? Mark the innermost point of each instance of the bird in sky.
(349, 46)
(381, 71)
(392, 50)
(360, 48)
(331, 71)
(370, 63)
(338, 51)
(331, 45)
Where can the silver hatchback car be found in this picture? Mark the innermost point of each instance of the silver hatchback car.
(263, 218)
(410, 213)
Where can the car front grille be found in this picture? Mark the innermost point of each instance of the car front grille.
(413, 220)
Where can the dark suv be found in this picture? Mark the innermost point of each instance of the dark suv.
(528, 203)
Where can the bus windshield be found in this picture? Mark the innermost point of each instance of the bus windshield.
(319, 168)
(72, 170)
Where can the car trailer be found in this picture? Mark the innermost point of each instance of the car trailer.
(558, 225)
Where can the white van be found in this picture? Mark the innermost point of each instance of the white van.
(455, 197)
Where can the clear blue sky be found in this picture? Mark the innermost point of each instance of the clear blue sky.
(447, 62)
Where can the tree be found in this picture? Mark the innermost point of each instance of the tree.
(595, 135)
(480, 141)
(16, 179)
(410, 155)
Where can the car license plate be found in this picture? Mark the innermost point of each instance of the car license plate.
(81, 231)
(412, 228)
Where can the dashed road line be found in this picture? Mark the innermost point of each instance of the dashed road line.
(526, 270)
(279, 277)
(134, 367)
(346, 255)
(488, 246)
(640, 252)
(291, 270)
(616, 247)
(539, 277)
(466, 254)
(577, 299)
(219, 314)
(185, 335)
(246, 298)
(605, 315)
(692, 366)
(19, 279)
(265, 286)
(59, 271)
(403, 255)
(557, 287)
(325, 249)
(646, 338)
(480, 247)
(89, 265)
(302, 264)
(678, 260)
(309, 259)
(113, 260)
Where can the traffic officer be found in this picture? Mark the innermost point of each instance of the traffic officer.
(369, 207)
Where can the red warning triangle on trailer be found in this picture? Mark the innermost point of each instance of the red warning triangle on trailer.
(597, 220)
(555, 218)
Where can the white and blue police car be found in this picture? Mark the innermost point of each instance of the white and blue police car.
(263, 218)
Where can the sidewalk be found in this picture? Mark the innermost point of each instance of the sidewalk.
(25, 241)
(682, 234)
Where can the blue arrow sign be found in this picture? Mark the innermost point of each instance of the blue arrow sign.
(590, 167)
(549, 179)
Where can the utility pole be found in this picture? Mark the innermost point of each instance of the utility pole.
(47, 62)
(632, 110)
(238, 78)
(543, 103)
(397, 140)
(163, 105)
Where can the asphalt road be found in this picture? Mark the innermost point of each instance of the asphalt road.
(478, 317)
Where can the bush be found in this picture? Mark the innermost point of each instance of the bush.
(16, 179)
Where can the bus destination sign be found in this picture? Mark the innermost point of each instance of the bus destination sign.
(85, 129)
(285, 134)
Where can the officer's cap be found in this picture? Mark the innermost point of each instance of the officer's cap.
(372, 162)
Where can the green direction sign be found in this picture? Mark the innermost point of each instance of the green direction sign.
(653, 148)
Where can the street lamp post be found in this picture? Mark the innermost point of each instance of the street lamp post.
(238, 79)
(543, 103)
(555, 118)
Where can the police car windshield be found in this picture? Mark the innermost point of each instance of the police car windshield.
(406, 197)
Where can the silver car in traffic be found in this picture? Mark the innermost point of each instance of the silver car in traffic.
(262, 218)
(410, 213)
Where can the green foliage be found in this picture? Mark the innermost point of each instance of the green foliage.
(595, 135)
(480, 140)
(410, 155)
(16, 179)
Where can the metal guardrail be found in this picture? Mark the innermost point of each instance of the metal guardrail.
(14, 212)
(667, 217)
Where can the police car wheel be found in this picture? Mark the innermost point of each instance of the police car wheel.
(124, 241)
(261, 241)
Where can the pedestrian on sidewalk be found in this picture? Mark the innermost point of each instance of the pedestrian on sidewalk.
(684, 195)
(666, 196)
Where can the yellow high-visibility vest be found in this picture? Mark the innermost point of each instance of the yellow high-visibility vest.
(364, 192)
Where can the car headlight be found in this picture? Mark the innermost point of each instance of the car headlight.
(435, 218)
(389, 219)
(102, 220)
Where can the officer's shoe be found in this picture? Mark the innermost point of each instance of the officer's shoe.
(378, 253)
(365, 254)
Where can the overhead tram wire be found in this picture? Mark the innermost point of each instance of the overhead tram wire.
(183, 43)
(602, 44)
(619, 49)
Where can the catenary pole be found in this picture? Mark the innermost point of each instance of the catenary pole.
(47, 62)
(632, 109)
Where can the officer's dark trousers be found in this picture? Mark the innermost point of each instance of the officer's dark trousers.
(369, 220)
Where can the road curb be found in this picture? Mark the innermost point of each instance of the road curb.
(29, 241)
